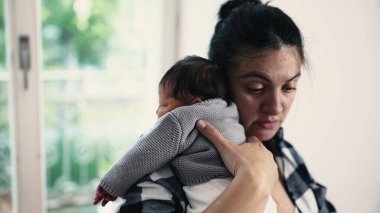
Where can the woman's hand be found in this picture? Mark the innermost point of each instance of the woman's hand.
(247, 158)
(252, 165)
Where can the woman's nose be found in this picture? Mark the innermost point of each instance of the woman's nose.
(273, 104)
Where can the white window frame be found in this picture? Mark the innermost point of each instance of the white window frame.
(22, 19)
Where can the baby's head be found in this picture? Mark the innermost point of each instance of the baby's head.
(189, 81)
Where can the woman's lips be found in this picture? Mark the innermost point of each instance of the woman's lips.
(267, 124)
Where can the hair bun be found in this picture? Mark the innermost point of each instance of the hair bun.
(227, 7)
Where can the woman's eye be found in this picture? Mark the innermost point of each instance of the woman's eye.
(255, 90)
(289, 89)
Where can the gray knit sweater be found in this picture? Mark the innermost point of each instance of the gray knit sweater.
(175, 140)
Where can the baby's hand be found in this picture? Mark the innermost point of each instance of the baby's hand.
(102, 194)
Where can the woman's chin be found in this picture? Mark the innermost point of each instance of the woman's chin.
(266, 137)
(262, 134)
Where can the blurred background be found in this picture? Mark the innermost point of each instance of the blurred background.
(93, 91)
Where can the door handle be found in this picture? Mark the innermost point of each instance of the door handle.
(24, 57)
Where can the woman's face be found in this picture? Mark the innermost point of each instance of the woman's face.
(264, 89)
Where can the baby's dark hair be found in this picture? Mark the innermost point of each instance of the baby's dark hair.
(195, 76)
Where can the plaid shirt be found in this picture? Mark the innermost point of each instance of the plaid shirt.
(161, 191)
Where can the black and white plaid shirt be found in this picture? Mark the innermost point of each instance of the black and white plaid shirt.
(161, 191)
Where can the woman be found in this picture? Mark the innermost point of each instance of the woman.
(260, 52)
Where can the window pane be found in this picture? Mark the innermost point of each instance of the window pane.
(5, 158)
(100, 87)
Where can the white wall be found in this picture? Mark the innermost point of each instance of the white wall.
(335, 119)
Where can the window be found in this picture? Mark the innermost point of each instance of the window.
(100, 62)
(99, 89)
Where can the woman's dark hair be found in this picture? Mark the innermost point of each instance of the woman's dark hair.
(195, 76)
(250, 28)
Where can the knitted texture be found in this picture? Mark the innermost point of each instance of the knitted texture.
(174, 140)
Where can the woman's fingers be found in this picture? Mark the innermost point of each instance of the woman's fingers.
(212, 134)
(247, 158)
(228, 151)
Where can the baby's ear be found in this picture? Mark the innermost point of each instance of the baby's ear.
(195, 100)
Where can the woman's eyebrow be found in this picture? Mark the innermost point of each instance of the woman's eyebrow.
(256, 74)
(294, 77)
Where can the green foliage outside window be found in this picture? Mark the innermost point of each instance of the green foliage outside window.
(5, 179)
(76, 33)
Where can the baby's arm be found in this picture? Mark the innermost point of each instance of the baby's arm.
(151, 152)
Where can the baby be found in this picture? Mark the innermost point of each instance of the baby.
(191, 89)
